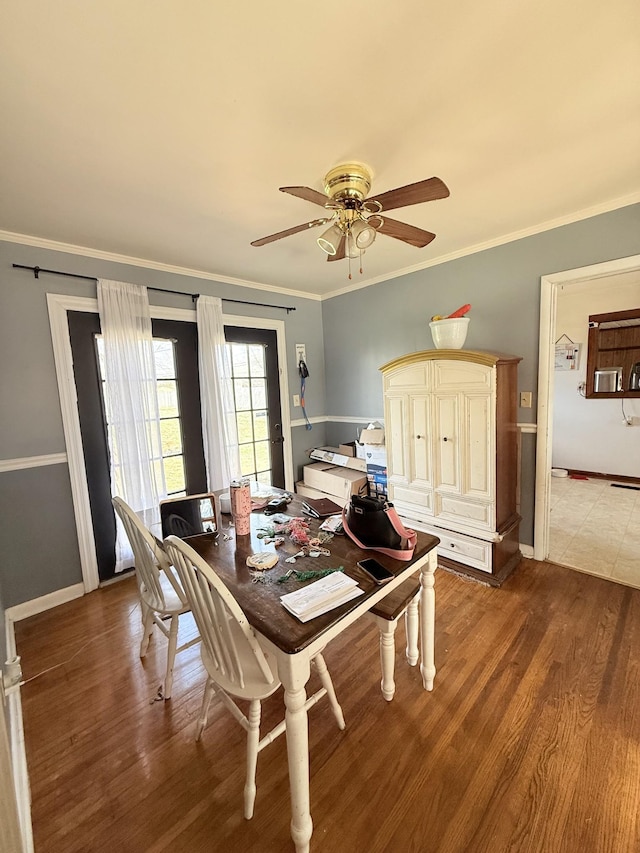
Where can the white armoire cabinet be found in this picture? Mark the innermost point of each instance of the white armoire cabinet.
(452, 455)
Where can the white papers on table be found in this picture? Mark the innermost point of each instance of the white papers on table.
(321, 595)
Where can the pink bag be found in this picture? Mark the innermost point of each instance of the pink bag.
(374, 525)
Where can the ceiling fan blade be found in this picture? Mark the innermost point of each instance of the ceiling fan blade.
(428, 190)
(307, 194)
(407, 233)
(341, 253)
(270, 239)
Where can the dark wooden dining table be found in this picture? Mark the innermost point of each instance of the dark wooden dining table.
(295, 643)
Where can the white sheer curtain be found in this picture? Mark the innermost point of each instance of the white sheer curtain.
(131, 400)
(219, 429)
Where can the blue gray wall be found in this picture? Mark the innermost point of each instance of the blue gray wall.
(40, 550)
(347, 339)
(366, 328)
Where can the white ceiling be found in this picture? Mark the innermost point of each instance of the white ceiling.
(163, 130)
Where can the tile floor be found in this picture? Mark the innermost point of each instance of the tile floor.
(595, 527)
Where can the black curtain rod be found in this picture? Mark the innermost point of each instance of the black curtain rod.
(37, 270)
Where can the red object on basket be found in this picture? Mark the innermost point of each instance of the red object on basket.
(460, 312)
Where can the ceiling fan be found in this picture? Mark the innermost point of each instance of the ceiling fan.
(355, 220)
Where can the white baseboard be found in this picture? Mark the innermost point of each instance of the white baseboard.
(45, 602)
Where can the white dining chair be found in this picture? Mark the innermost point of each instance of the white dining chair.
(161, 596)
(237, 666)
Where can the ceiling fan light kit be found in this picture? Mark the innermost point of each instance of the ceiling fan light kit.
(351, 250)
(355, 219)
(363, 233)
(330, 240)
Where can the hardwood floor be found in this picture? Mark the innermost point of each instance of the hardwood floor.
(530, 741)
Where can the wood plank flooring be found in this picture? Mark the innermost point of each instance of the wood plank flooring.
(530, 741)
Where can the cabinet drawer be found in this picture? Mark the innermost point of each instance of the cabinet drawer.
(464, 549)
(412, 501)
(457, 508)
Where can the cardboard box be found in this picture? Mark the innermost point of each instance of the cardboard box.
(375, 455)
(309, 492)
(378, 490)
(348, 449)
(333, 456)
(371, 436)
(376, 459)
(334, 479)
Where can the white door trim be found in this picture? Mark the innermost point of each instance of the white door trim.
(548, 300)
(58, 305)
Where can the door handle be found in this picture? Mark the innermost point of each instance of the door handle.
(277, 440)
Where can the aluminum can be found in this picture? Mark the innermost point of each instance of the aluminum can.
(240, 493)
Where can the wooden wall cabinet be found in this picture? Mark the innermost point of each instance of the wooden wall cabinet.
(614, 342)
(452, 461)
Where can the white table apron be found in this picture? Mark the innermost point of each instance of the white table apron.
(294, 672)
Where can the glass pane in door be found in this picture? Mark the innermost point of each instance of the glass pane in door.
(252, 417)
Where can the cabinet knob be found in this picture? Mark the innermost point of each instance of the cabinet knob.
(445, 438)
(420, 436)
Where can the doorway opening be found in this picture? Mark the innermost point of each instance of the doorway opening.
(557, 401)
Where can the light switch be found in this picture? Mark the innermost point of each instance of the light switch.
(296, 399)
(525, 399)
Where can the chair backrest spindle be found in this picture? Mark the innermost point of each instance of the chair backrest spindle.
(227, 637)
(148, 555)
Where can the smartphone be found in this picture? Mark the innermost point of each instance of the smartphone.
(376, 571)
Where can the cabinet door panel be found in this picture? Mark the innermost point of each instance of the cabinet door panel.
(413, 376)
(446, 442)
(396, 439)
(477, 447)
(460, 375)
(421, 435)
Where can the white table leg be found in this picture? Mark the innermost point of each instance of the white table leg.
(293, 671)
(428, 620)
(387, 630)
(411, 628)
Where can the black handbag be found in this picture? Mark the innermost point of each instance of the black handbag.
(374, 524)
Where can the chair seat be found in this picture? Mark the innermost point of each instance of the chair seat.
(172, 603)
(254, 684)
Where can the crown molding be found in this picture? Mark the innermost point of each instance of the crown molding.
(549, 225)
(114, 257)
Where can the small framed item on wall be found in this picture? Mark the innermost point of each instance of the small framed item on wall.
(567, 354)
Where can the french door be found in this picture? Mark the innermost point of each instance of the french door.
(257, 400)
(256, 385)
